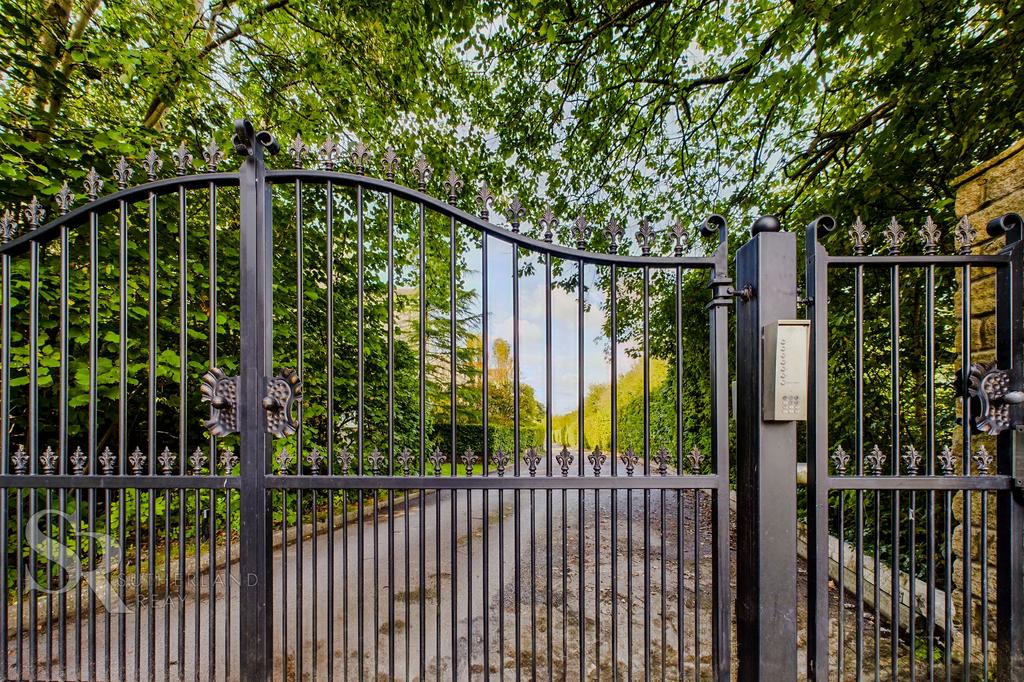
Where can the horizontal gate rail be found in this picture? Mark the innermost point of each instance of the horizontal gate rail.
(101, 482)
(918, 482)
(493, 482)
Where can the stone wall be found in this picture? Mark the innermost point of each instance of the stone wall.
(987, 191)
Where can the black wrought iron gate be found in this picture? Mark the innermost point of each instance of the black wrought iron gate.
(401, 503)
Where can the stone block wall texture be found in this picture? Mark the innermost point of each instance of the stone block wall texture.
(987, 191)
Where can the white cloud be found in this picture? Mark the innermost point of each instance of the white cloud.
(565, 341)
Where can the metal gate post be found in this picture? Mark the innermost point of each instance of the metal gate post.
(256, 320)
(765, 465)
(1010, 460)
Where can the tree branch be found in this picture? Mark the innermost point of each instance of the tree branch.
(51, 106)
(165, 95)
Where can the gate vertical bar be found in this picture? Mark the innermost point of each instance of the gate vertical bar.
(765, 466)
(1009, 505)
(718, 315)
(256, 319)
(817, 455)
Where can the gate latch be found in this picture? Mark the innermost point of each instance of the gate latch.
(992, 392)
(221, 391)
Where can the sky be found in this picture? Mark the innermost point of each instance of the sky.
(564, 312)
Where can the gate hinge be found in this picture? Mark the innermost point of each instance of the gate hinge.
(723, 293)
(280, 394)
(992, 392)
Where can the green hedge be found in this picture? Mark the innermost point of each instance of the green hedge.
(472, 436)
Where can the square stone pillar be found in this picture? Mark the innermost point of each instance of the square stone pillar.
(989, 190)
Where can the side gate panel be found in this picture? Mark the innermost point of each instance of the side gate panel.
(120, 513)
(913, 449)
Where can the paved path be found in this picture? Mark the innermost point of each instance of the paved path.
(402, 582)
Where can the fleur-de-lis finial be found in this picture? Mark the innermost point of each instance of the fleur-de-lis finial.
(329, 152)
(696, 459)
(894, 236)
(453, 185)
(34, 213)
(630, 459)
(283, 458)
(840, 459)
(344, 461)
(875, 460)
(679, 234)
(516, 213)
(437, 460)
(421, 171)
(182, 159)
(78, 461)
(197, 460)
(359, 156)
(212, 155)
(49, 460)
(614, 233)
(64, 198)
(298, 150)
(469, 459)
(122, 173)
(389, 162)
(662, 458)
(947, 461)
(316, 460)
(376, 461)
(484, 198)
(597, 459)
(564, 459)
(20, 460)
(107, 459)
(983, 460)
(166, 460)
(228, 460)
(645, 237)
(137, 460)
(550, 223)
(930, 234)
(859, 235)
(911, 460)
(531, 459)
(965, 235)
(501, 460)
(405, 461)
(581, 231)
(93, 184)
(7, 224)
(152, 164)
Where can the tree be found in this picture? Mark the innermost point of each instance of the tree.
(501, 395)
(792, 108)
(85, 82)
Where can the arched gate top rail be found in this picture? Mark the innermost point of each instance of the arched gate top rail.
(646, 234)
